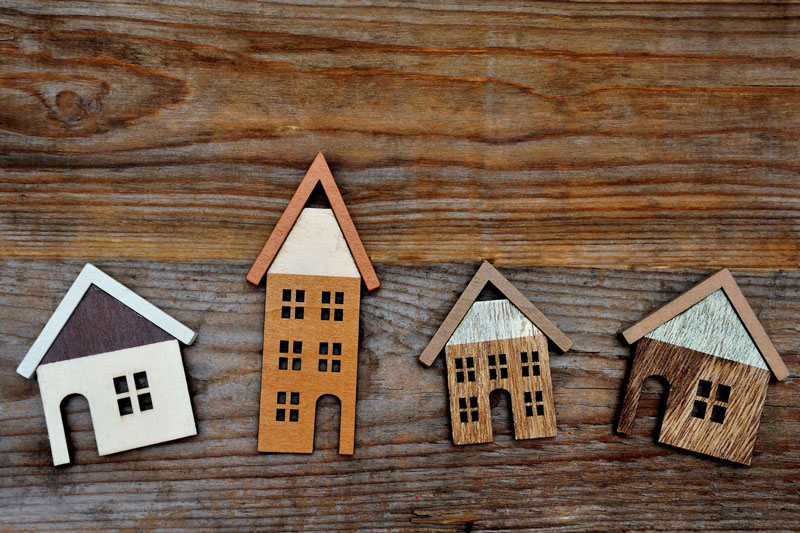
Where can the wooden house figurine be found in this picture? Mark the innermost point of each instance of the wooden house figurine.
(497, 344)
(712, 350)
(314, 264)
(121, 353)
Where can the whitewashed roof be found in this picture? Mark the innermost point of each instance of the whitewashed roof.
(91, 275)
(711, 326)
(492, 320)
(315, 247)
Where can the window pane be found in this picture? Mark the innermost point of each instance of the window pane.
(300, 296)
(459, 363)
(528, 398)
(283, 363)
(337, 348)
(323, 348)
(297, 347)
(323, 365)
(525, 371)
(145, 402)
(471, 376)
(339, 298)
(470, 362)
(140, 379)
(281, 397)
(294, 414)
(475, 416)
(286, 312)
(284, 347)
(287, 295)
(536, 370)
(295, 398)
(699, 409)
(460, 376)
(473, 402)
(538, 396)
(492, 361)
(338, 315)
(492, 373)
(504, 373)
(125, 406)
(462, 403)
(299, 313)
(464, 419)
(502, 357)
(535, 357)
(723, 393)
(704, 388)
(296, 363)
(540, 410)
(325, 314)
(336, 366)
(326, 297)
(718, 414)
(280, 415)
(528, 410)
(523, 357)
(121, 384)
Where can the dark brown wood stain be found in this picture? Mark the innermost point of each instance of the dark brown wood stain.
(101, 323)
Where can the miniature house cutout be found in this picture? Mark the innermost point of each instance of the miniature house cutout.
(314, 263)
(493, 345)
(121, 353)
(717, 358)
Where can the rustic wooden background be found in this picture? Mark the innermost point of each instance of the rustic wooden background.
(604, 155)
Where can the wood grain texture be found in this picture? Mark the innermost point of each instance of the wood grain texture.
(646, 143)
(611, 135)
(405, 472)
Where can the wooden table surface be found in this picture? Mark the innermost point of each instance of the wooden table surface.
(605, 156)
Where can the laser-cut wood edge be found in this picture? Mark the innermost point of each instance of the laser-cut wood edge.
(318, 172)
(721, 280)
(485, 274)
(91, 275)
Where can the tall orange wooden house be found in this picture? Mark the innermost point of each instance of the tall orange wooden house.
(314, 263)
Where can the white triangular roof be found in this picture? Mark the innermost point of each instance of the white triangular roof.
(492, 320)
(711, 326)
(315, 247)
(91, 275)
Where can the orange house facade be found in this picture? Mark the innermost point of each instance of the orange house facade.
(313, 290)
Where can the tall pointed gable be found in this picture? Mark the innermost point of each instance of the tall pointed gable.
(488, 274)
(722, 280)
(317, 173)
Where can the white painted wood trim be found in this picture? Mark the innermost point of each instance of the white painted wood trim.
(493, 320)
(91, 275)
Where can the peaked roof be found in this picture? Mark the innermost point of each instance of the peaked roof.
(486, 274)
(721, 280)
(318, 172)
(91, 275)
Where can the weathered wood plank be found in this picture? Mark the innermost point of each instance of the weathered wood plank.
(405, 471)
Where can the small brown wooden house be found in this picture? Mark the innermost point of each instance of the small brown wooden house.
(717, 358)
(499, 344)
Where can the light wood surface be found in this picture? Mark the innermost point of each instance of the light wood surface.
(646, 144)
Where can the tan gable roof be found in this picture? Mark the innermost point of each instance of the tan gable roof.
(485, 274)
(318, 172)
(721, 280)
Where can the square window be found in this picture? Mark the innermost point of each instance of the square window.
(326, 297)
(296, 363)
(284, 347)
(528, 398)
(462, 403)
(299, 296)
(460, 377)
(470, 362)
(528, 410)
(464, 418)
(492, 361)
(339, 298)
(286, 312)
(540, 410)
(121, 384)
(723, 394)
(281, 397)
(338, 315)
(140, 379)
(287, 295)
(473, 402)
(336, 366)
(323, 348)
(283, 363)
(295, 398)
(322, 366)
(704, 388)
(337, 348)
(537, 371)
(124, 405)
(297, 347)
(504, 373)
(718, 414)
(280, 415)
(525, 371)
(535, 357)
(145, 402)
(492, 373)
(699, 409)
(325, 314)
(471, 376)
(294, 415)
(539, 396)
(475, 416)
(299, 313)
(502, 357)
(523, 357)
(459, 363)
